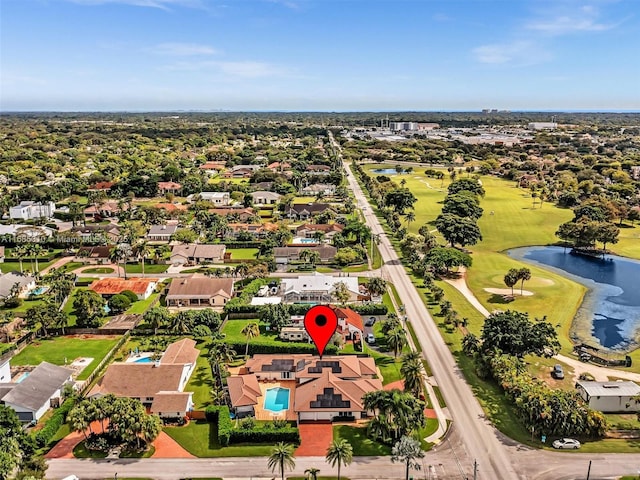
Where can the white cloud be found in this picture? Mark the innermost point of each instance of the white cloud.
(584, 19)
(162, 4)
(519, 53)
(183, 49)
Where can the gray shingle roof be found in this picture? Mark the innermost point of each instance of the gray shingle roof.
(36, 390)
(610, 389)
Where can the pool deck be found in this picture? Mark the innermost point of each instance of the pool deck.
(262, 414)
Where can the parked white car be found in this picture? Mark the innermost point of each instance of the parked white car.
(566, 443)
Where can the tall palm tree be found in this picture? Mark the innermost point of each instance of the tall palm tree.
(409, 218)
(142, 251)
(282, 458)
(396, 339)
(115, 255)
(340, 452)
(412, 371)
(251, 330)
(20, 252)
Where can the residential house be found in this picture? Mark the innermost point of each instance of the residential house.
(15, 283)
(197, 253)
(265, 198)
(98, 255)
(145, 381)
(610, 397)
(171, 405)
(219, 199)
(304, 211)
(34, 395)
(317, 288)
(172, 208)
(312, 230)
(279, 166)
(319, 169)
(108, 287)
(350, 324)
(161, 233)
(5, 369)
(169, 187)
(199, 291)
(256, 229)
(285, 255)
(109, 208)
(101, 187)
(321, 389)
(32, 210)
(98, 233)
(25, 233)
(242, 171)
(212, 168)
(319, 189)
(238, 214)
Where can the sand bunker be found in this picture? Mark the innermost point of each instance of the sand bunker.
(507, 291)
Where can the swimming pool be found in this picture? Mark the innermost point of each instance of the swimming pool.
(302, 240)
(276, 399)
(39, 290)
(144, 360)
(22, 377)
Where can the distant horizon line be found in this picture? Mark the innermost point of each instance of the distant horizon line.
(498, 111)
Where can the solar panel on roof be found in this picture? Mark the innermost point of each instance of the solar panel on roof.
(279, 365)
(330, 399)
(320, 364)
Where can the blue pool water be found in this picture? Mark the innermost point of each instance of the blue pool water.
(22, 377)
(388, 171)
(611, 307)
(144, 360)
(38, 291)
(276, 399)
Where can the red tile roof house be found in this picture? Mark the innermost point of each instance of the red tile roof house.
(324, 390)
(169, 187)
(350, 324)
(158, 385)
(212, 168)
(199, 291)
(108, 287)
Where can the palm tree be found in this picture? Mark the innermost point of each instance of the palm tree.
(340, 452)
(523, 275)
(157, 317)
(410, 217)
(78, 420)
(20, 252)
(115, 255)
(312, 473)
(282, 457)
(407, 450)
(181, 322)
(412, 372)
(313, 257)
(251, 330)
(396, 339)
(377, 286)
(142, 250)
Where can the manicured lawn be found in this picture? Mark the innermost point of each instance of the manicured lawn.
(148, 268)
(68, 307)
(200, 438)
(233, 328)
(141, 305)
(99, 270)
(56, 350)
(14, 266)
(201, 382)
(357, 437)
(24, 306)
(243, 253)
(70, 266)
(80, 451)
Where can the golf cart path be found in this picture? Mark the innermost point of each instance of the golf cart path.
(601, 374)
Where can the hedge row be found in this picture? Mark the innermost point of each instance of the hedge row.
(301, 308)
(46, 433)
(227, 435)
(255, 348)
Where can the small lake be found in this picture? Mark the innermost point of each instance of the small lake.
(388, 171)
(610, 310)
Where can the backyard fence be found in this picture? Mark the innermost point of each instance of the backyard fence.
(87, 383)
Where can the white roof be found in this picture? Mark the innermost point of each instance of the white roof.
(27, 230)
(318, 282)
(610, 389)
(266, 300)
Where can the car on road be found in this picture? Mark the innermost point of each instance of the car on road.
(370, 321)
(371, 338)
(557, 372)
(566, 443)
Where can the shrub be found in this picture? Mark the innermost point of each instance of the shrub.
(46, 433)
(255, 348)
(119, 303)
(130, 295)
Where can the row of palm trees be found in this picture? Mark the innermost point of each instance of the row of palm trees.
(32, 251)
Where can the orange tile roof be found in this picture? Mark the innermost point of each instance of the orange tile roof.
(351, 317)
(244, 390)
(114, 286)
(168, 186)
(170, 207)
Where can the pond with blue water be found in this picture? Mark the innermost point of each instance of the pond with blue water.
(611, 307)
(388, 171)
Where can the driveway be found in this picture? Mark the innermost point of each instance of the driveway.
(315, 439)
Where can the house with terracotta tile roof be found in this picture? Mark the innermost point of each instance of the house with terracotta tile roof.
(350, 324)
(311, 230)
(101, 186)
(108, 287)
(169, 187)
(212, 168)
(319, 389)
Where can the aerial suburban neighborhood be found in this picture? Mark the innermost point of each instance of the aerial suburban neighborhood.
(157, 309)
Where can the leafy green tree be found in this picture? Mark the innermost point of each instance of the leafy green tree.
(400, 199)
(408, 451)
(466, 184)
(463, 204)
(157, 317)
(89, 308)
(281, 458)
(119, 303)
(513, 333)
(397, 340)
(395, 414)
(377, 286)
(443, 259)
(458, 230)
(341, 292)
(277, 316)
(511, 278)
(339, 453)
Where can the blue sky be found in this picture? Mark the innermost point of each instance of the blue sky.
(319, 55)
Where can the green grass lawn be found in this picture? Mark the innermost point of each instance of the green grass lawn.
(14, 265)
(357, 437)
(233, 328)
(201, 382)
(24, 306)
(71, 266)
(148, 268)
(68, 307)
(99, 270)
(243, 253)
(141, 305)
(200, 438)
(56, 350)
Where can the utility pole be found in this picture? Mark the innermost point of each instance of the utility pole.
(475, 470)
(589, 470)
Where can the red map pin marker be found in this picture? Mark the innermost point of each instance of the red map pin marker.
(321, 323)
